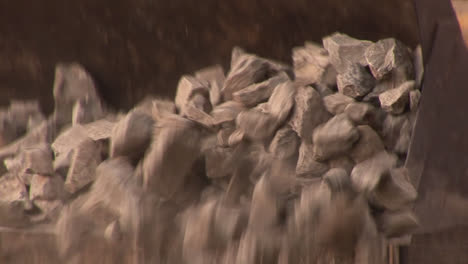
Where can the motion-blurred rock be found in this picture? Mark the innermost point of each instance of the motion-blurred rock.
(259, 92)
(414, 98)
(214, 77)
(38, 160)
(46, 187)
(187, 87)
(281, 101)
(342, 162)
(307, 166)
(367, 175)
(336, 103)
(368, 145)
(397, 223)
(285, 143)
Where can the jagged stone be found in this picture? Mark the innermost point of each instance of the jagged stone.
(187, 87)
(307, 166)
(214, 77)
(236, 137)
(334, 138)
(46, 187)
(394, 101)
(336, 103)
(312, 65)
(337, 180)
(285, 143)
(355, 81)
(223, 135)
(226, 112)
(343, 49)
(259, 92)
(364, 114)
(391, 129)
(367, 175)
(308, 112)
(38, 160)
(368, 145)
(161, 108)
(404, 138)
(281, 101)
(14, 200)
(256, 124)
(197, 109)
(342, 162)
(50, 210)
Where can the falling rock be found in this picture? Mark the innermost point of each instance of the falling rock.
(85, 158)
(386, 55)
(336, 103)
(394, 190)
(131, 136)
(172, 154)
(281, 101)
(394, 101)
(264, 209)
(99, 130)
(245, 70)
(161, 108)
(50, 209)
(355, 81)
(363, 114)
(224, 134)
(324, 90)
(38, 160)
(214, 78)
(418, 64)
(368, 145)
(236, 137)
(197, 109)
(403, 142)
(335, 137)
(397, 223)
(308, 112)
(72, 83)
(370, 246)
(187, 87)
(13, 201)
(46, 187)
(68, 140)
(367, 175)
(414, 98)
(391, 128)
(343, 49)
(342, 162)
(338, 181)
(215, 162)
(259, 92)
(256, 124)
(86, 111)
(113, 232)
(226, 112)
(312, 65)
(285, 143)
(307, 166)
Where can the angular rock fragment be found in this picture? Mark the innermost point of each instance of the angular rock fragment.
(324, 90)
(312, 65)
(46, 187)
(386, 55)
(307, 166)
(414, 98)
(197, 109)
(403, 141)
(245, 70)
(336, 103)
(264, 209)
(335, 137)
(281, 101)
(38, 160)
(391, 128)
(14, 200)
(226, 112)
(99, 130)
(236, 137)
(285, 143)
(397, 223)
(355, 81)
(308, 112)
(187, 87)
(215, 162)
(85, 158)
(50, 209)
(342, 162)
(343, 49)
(214, 77)
(86, 111)
(162, 108)
(368, 145)
(131, 136)
(259, 92)
(394, 101)
(255, 124)
(367, 175)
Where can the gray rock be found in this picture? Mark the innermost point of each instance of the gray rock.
(334, 138)
(285, 143)
(342, 162)
(336, 103)
(397, 223)
(343, 49)
(312, 65)
(386, 55)
(308, 113)
(394, 101)
(259, 92)
(226, 112)
(364, 114)
(368, 145)
(307, 166)
(46, 188)
(324, 90)
(281, 101)
(214, 77)
(418, 64)
(414, 98)
(131, 136)
(367, 175)
(245, 70)
(38, 160)
(354, 81)
(85, 158)
(187, 87)
(216, 162)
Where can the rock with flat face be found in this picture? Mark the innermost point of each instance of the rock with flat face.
(259, 92)
(404, 138)
(386, 55)
(368, 145)
(256, 124)
(281, 101)
(367, 175)
(342, 162)
(187, 87)
(354, 81)
(86, 111)
(214, 78)
(46, 187)
(312, 65)
(418, 64)
(285, 143)
(343, 49)
(334, 138)
(397, 223)
(336, 103)
(161, 108)
(307, 166)
(308, 112)
(38, 160)
(226, 112)
(196, 110)
(394, 101)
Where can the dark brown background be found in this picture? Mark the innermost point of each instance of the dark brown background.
(136, 47)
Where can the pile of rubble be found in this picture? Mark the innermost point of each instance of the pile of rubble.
(268, 164)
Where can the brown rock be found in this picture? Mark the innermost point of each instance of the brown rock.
(187, 87)
(307, 166)
(245, 70)
(367, 175)
(226, 112)
(335, 137)
(264, 209)
(197, 109)
(50, 209)
(281, 101)
(285, 143)
(394, 101)
(391, 128)
(85, 158)
(131, 136)
(368, 145)
(370, 246)
(312, 65)
(338, 181)
(336, 103)
(418, 64)
(363, 114)
(397, 223)
(215, 162)
(86, 111)
(99, 130)
(214, 77)
(342, 49)
(414, 98)
(342, 162)
(46, 188)
(403, 142)
(236, 137)
(386, 55)
(355, 81)
(223, 135)
(161, 108)
(38, 160)
(256, 124)
(259, 92)
(308, 112)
